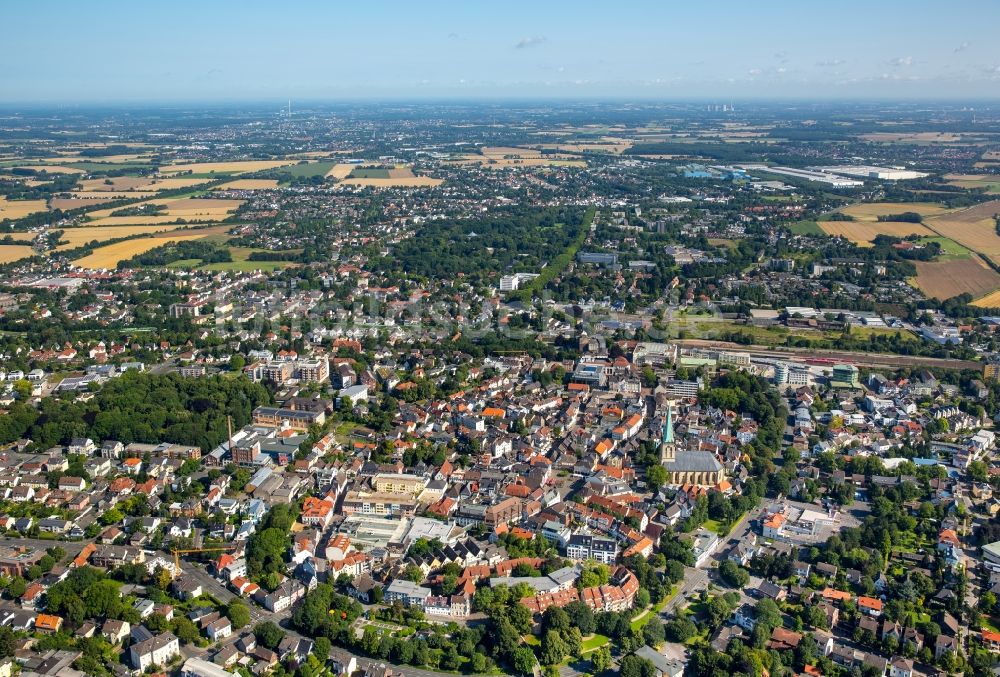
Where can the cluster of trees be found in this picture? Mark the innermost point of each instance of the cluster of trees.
(268, 546)
(142, 407)
(518, 239)
(206, 252)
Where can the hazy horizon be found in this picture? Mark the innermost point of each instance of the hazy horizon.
(124, 53)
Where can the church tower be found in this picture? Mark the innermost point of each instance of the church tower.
(667, 447)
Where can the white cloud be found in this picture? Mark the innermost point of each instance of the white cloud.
(901, 61)
(962, 47)
(829, 63)
(532, 41)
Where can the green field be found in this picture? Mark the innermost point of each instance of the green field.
(241, 262)
(369, 173)
(310, 169)
(950, 250)
(110, 166)
(806, 228)
(593, 643)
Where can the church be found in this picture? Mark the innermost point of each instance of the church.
(700, 468)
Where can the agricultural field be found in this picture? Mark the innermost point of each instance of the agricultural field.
(310, 169)
(863, 233)
(912, 137)
(109, 255)
(948, 278)
(236, 167)
(399, 177)
(241, 262)
(15, 252)
(75, 237)
(806, 228)
(987, 182)
(341, 170)
(249, 184)
(870, 211)
(18, 209)
(189, 209)
(67, 203)
(973, 227)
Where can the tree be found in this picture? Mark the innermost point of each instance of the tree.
(680, 629)
(238, 614)
(653, 633)
(600, 659)
(237, 362)
(634, 666)
(102, 599)
(733, 574)
(524, 661)
(22, 389)
(553, 648)
(768, 613)
(268, 634)
(186, 630)
(581, 616)
(656, 477)
(556, 619)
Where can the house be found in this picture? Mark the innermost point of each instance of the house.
(187, 588)
(665, 667)
(944, 644)
(48, 624)
(158, 650)
(901, 667)
(115, 631)
(198, 667)
(218, 629)
(870, 606)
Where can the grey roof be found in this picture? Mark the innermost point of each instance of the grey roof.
(693, 461)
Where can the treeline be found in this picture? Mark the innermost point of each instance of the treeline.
(206, 252)
(141, 407)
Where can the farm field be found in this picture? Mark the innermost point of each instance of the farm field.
(241, 262)
(67, 203)
(189, 209)
(806, 228)
(237, 167)
(973, 227)
(341, 170)
(945, 279)
(309, 169)
(400, 177)
(109, 255)
(863, 233)
(248, 184)
(74, 237)
(870, 211)
(53, 169)
(912, 137)
(18, 209)
(15, 252)
(988, 182)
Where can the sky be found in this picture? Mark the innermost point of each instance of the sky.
(71, 52)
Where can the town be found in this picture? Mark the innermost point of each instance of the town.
(561, 389)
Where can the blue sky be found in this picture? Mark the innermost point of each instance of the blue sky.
(70, 52)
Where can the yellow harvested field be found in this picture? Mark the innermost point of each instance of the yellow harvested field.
(991, 300)
(18, 209)
(54, 169)
(66, 203)
(101, 194)
(863, 233)
(189, 209)
(140, 183)
(945, 279)
(973, 228)
(870, 211)
(502, 162)
(114, 183)
(15, 252)
(341, 171)
(74, 237)
(109, 256)
(249, 184)
(238, 167)
(989, 182)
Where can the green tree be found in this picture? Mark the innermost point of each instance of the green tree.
(634, 666)
(268, 634)
(524, 661)
(238, 614)
(553, 648)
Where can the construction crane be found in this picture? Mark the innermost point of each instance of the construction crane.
(179, 552)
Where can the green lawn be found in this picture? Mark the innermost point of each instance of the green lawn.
(950, 250)
(310, 169)
(369, 173)
(241, 262)
(806, 228)
(593, 643)
(531, 639)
